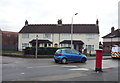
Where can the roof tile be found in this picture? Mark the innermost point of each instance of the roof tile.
(64, 28)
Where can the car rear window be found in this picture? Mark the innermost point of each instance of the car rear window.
(59, 51)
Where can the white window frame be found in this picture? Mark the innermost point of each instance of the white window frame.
(25, 35)
(90, 36)
(90, 47)
(24, 45)
(47, 35)
(66, 36)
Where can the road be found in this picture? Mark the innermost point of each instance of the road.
(31, 69)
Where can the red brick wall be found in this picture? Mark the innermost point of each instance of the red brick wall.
(9, 39)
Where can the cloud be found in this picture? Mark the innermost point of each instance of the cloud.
(15, 12)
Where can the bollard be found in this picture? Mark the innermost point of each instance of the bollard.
(98, 60)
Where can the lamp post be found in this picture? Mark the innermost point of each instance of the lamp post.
(111, 40)
(36, 52)
(72, 31)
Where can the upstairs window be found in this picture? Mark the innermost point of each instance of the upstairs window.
(25, 35)
(90, 36)
(47, 35)
(66, 36)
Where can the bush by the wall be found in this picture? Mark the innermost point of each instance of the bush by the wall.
(41, 50)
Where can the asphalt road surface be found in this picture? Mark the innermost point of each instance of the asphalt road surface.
(31, 69)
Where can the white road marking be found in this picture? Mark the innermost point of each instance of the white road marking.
(22, 73)
(43, 66)
(85, 69)
(68, 66)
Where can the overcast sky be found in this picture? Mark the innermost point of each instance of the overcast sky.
(13, 13)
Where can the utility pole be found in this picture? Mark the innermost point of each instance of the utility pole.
(72, 31)
(36, 52)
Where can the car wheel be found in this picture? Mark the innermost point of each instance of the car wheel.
(64, 61)
(56, 61)
(83, 60)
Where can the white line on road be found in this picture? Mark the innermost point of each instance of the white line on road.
(43, 66)
(85, 69)
(68, 66)
(22, 73)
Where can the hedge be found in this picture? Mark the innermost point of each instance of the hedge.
(41, 50)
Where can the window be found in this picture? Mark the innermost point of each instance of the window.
(25, 35)
(90, 47)
(59, 51)
(24, 45)
(90, 36)
(66, 36)
(75, 51)
(68, 51)
(47, 35)
(8, 35)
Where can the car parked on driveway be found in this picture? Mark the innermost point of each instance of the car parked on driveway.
(68, 55)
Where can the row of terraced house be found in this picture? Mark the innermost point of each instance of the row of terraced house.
(85, 37)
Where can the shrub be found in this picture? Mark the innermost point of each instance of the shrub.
(41, 50)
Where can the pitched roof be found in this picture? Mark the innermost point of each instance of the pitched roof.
(62, 28)
(114, 34)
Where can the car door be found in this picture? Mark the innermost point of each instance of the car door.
(75, 55)
(68, 54)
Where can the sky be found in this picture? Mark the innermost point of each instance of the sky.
(13, 13)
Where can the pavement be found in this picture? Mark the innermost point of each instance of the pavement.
(103, 57)
(47, 56)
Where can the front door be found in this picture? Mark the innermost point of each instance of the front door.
(76, 47)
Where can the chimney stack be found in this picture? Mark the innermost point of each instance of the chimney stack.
(97, 22)
(112, 29)
(26, 23)
(59, 21)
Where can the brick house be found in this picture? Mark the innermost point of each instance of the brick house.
(59, 35)
(9, 40)
(111, 40)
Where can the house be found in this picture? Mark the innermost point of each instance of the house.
(59, 35)
(9, 40)
(110, 40)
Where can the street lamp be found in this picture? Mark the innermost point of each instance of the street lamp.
(72, 31)
(36, 52)
(111, 39)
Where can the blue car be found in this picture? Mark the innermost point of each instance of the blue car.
(66, 55)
